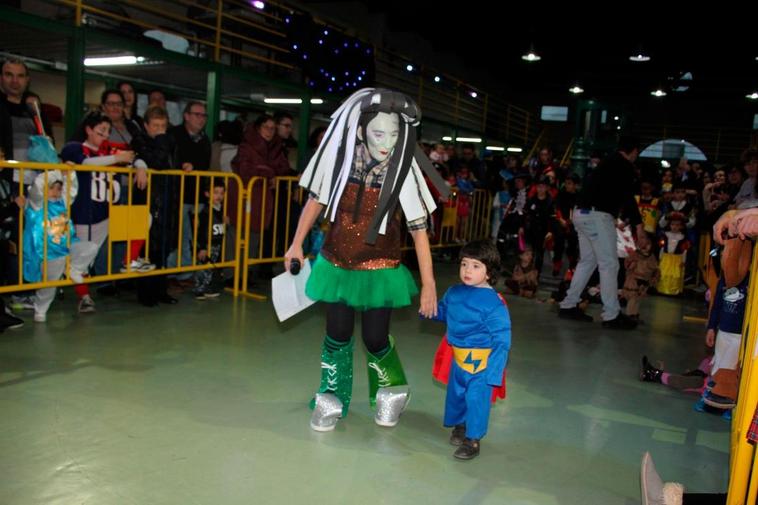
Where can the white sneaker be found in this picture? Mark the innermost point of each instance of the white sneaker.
(139, 265)
(86, 305)
(39, 317)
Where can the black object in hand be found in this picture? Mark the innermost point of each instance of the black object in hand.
(295, 266)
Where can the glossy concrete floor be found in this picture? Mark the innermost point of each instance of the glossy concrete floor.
(205, 403)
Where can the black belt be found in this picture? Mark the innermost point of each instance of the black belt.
(585, 210)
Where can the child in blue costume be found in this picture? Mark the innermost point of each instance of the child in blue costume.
(479, 330)
(49, 222)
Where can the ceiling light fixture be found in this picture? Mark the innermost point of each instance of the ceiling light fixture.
(113, 60)
(639, 56)
(531, 55)
(576, 89)
(294, 101)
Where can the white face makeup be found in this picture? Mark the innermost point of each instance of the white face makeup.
(381, 135)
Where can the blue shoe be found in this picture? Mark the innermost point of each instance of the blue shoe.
(699, 406)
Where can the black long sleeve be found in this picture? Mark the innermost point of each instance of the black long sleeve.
(610, 188)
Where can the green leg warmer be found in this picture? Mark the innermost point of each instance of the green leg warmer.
(384, 372)
(337, 373)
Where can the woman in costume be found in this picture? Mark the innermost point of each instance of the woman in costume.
(367, 168)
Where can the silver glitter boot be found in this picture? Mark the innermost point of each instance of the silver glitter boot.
(390, 403)
(326, 412)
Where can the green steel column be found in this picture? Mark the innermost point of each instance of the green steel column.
(213, 101)
(75, 81)
(303, 131)
(581, 148)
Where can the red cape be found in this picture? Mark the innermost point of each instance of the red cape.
(443, 358)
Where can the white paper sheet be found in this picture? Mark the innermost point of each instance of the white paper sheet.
(288, 292)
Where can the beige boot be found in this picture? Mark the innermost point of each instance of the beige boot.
(654, 491)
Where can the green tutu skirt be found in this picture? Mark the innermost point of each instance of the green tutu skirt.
(361, 289)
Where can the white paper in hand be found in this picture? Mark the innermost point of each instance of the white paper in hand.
(288, 292)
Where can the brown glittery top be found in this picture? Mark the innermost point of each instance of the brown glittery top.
(345, 245)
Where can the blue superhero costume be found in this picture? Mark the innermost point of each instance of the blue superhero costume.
(479, 331)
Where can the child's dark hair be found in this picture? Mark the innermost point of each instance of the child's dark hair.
(486, 252)
(91, 120)
(219, 182)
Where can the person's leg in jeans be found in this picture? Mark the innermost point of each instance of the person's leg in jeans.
(188, 228)
(586, 231)
(607, 264)
(188, 234)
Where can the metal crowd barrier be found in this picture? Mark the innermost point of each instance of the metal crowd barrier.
(127, 222)
(743, 461)
(268, 238)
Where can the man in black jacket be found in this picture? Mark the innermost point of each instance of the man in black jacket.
(608, 193)
(14, 81)
(193, 150)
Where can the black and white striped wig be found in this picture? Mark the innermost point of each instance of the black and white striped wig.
(330, 166)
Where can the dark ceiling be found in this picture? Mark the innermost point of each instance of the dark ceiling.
(718, 45)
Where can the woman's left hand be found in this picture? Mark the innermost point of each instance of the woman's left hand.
(428, 306)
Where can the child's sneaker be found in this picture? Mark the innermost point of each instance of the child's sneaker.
(469, 449)
(458, 435)
(40, 317)
(200, 295)
(86, 305)
(138, 265)
(212, 294)
(22, 302)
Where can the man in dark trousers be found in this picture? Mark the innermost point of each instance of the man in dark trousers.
(608, 193)
(193, 153)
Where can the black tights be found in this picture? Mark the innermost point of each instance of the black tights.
(340, 320)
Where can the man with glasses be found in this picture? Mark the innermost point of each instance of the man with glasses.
(283, 122)
(193, 152)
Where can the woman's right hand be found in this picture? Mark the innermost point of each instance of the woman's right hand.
(295, 252)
